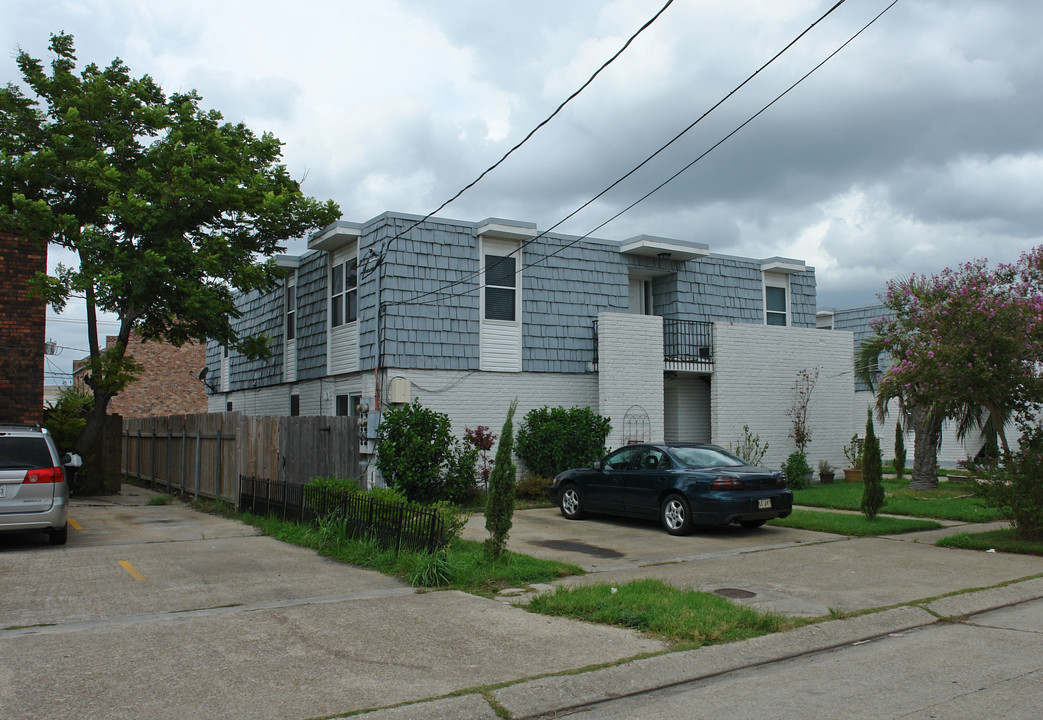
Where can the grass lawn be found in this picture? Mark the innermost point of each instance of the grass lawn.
(846, 524)
(683, 617)
(952, 500)
(462, 567)
(999, 540)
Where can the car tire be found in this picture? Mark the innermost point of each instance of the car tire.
(571, 503)
(752, 523)
(59, 537)
(676, 515)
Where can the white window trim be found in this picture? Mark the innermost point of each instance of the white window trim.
(779, 281)
(500, 341)
(502, 247)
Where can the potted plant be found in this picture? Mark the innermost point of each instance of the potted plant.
(853, 453)
(825, 472)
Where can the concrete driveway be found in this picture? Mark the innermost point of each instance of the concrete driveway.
(794, 572)
(163, 612)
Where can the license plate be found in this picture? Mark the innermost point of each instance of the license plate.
(764, 504)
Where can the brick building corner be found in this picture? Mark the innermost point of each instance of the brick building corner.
(169, 381)
(23, 327)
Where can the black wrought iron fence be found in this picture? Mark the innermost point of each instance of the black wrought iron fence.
(397, 526)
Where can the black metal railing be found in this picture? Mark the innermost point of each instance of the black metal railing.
(688, 341)
(395, 525)
(684, 341)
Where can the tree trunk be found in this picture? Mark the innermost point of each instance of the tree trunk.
(928, 433)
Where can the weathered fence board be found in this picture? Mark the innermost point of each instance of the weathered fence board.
(205, 455)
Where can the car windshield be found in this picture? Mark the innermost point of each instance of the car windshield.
(702, 457)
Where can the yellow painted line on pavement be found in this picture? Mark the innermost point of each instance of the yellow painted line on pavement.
(132, 570)
(74, 525)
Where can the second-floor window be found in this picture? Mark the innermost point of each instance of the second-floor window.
(344, 293)
(776, 300)
(291, 312)
(500, 287)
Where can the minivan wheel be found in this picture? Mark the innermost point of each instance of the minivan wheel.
(59, 537)
(675, 515)
(571, 503)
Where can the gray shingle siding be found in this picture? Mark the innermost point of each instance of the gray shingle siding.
(565, 283)
(858, 320)
(312, 304)
(432, 331)
(262, 314)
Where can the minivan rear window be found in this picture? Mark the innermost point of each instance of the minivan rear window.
(24, 452)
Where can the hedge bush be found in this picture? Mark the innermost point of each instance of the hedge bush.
(551, 440)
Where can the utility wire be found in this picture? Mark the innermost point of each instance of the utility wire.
(637, 167)
(662, 184)
(366, 272)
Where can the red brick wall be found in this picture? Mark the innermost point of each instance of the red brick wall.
(22, 331)
(169, 381)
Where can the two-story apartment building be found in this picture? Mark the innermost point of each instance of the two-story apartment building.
(668, 339)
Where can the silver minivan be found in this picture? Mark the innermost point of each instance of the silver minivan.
(34, 490)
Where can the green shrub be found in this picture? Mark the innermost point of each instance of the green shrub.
(551, 440)
(900, 456)
(872, 472)
(499, 512)
(532, 487)
(796, 469)
(66, 417)
(1015, 488)
(417, 454)
(322, 494)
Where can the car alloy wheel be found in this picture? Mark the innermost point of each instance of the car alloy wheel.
(675, 515)
(571, 503)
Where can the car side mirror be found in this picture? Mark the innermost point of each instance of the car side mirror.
(72, 460)
(597, 465)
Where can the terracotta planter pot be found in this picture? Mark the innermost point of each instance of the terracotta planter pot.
(852, 475)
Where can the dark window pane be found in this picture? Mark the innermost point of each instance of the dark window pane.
(351, 272)
(499, 270)
(351, 309)
(342, 405)
(777, 319)
(295, 405)
(25, 452)
(336, 310)
(499, 304)
(337, 282)
(776, 299)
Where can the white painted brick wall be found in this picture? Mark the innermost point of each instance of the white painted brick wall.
(755, 368)
(630, 366)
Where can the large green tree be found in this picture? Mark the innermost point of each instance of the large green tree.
(169, 210)
(965, 345)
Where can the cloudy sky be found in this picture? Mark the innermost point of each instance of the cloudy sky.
(917, 147)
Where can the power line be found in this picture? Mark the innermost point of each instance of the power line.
(663, 184)
(637, 167)
(80, 321)
(366, 272)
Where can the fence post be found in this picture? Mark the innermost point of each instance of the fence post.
(198, 460)
(169, 443)
(137, 466)
(152, 460)
(220, 479)
(401, 522)
(184, 459)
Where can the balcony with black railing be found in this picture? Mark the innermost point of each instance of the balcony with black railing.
(687, 345)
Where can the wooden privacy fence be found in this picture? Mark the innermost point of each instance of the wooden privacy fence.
(205, 455)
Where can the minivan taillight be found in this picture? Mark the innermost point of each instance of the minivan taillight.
(44, 475)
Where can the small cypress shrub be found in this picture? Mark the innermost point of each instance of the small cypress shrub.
(499, 510)
(899, 450)
(872, 472)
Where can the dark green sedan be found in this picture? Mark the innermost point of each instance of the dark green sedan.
(682, 484)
